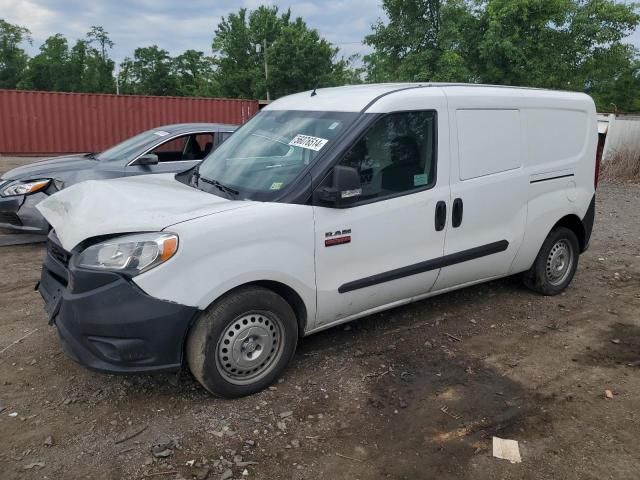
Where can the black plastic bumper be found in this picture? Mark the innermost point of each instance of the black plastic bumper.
(108, 324)
(588, 221)
(9, 207)
(19, 213)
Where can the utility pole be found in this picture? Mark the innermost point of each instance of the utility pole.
(262, 47)
(266, 69)
(117, 81)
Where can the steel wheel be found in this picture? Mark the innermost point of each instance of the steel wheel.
(556, 263)
(249, 347)
(559, 262)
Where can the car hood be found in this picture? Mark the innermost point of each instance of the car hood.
(127, 205)
(50, 167)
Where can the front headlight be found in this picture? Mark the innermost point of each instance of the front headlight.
(131, 255)
(24, 188)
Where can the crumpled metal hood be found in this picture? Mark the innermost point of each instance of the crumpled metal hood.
(144, 203)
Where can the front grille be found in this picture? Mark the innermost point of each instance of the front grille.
(10, 218)
(59, 253)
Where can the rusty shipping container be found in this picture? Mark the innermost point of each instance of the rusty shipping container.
(43, 123)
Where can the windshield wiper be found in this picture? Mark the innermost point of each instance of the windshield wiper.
(91, 155)
(219, 186)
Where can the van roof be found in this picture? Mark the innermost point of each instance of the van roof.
(356, 98)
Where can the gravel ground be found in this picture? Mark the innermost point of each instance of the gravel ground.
(416, 392)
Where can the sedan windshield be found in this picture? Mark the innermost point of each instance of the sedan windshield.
(266, 155)
(133, 146)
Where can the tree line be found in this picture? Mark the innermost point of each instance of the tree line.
(576, 45)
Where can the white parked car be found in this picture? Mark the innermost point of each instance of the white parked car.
(327, 206)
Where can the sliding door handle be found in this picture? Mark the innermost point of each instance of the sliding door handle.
(456, 213)
(441, 216)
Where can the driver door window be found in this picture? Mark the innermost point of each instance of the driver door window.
(185, 148)
(173, 150)
(396, 155)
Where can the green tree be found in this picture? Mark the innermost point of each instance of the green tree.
(195, 75)
(606, 67)
(563, 44)
(424, 40)
(77, 67)
(49, 70)
(239, 65)
(86, 67)
(346, 71)
(614, 80)
(98, 35)
(297, 57)
(99, 75)
(149, 72)
(550, 43)
(13, 59)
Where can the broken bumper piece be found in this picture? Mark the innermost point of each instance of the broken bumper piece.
(107, 323)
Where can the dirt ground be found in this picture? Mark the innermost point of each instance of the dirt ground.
(414, 393)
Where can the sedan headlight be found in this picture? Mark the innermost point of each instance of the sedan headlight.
(24, 188)
(131, 255)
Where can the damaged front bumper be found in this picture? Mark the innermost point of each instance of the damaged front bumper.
(106, 322)
(19, 213)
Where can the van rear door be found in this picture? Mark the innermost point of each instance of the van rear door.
(488, 191)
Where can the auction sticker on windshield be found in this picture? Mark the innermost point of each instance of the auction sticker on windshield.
(308, 142)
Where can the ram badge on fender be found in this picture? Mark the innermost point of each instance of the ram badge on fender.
(321, 209)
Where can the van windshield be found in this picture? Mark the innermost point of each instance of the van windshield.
(265, 156)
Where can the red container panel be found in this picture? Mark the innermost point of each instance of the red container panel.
(43, 123)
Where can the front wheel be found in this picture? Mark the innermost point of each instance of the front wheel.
(242, 343)
(555, 264)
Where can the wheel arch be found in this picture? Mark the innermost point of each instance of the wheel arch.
(290, 295)
(575, 224)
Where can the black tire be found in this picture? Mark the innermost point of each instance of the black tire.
(255, 330)
(549, 275)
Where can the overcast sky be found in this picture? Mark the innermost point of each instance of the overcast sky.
(180, 25)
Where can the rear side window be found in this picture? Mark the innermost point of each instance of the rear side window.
(199, 146)
(397, 154)
(489, 141)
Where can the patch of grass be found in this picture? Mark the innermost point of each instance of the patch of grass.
(622, 165)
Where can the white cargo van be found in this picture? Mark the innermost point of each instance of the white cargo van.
(325, 207)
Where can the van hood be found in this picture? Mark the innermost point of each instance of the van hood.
(144, 203)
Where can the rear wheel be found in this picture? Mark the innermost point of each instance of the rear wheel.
(556, 263)
(242, 343)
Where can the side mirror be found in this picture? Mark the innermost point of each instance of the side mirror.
(344, 189)
(147, 159)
